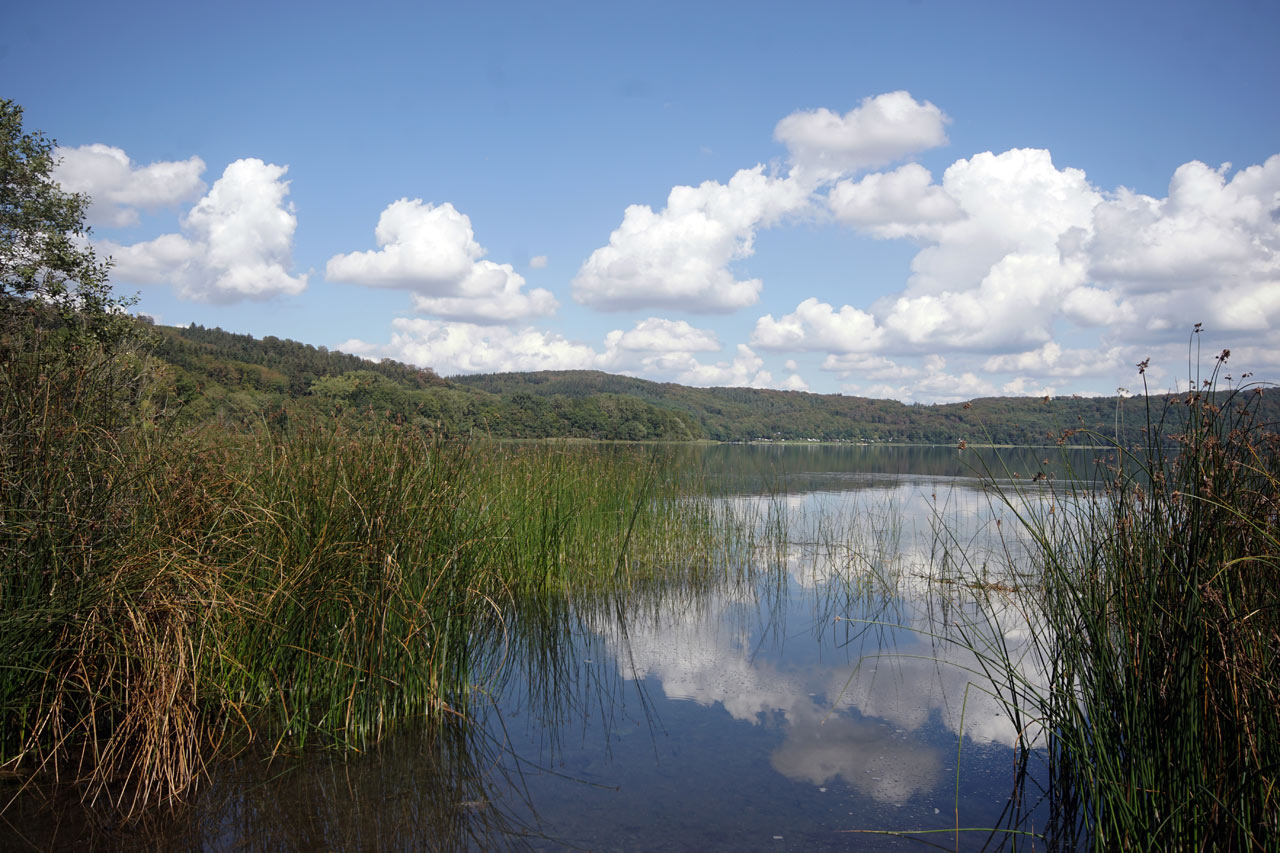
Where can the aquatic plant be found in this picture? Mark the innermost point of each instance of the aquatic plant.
(170, 597)
(1155, 615)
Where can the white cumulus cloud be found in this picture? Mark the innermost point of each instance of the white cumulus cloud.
(450, 348)
(745, 370)
(1208, 252)
(679, 257)
(236, 242)
(657, 335)
(816, 325)
(893, 204)
(1206, 230)
(1014, 203)
(431, 251)
(933, 383)
(1055, 361)
(862, 367)
(991, 275)
(421, 247)
(1092, 306)
(880, 130)
(118, 186)
(666, 350)
(1035, 245)
(1027, 274)
(489, 293)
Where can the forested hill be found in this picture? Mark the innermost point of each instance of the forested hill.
(212, 375)
(738, 414)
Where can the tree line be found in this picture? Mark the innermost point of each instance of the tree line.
(214, 375)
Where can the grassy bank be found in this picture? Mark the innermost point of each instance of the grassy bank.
(1156, 618)
(169, 597)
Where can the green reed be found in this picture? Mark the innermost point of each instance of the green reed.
(170, 597)
(1155, 615)
(1147, 593)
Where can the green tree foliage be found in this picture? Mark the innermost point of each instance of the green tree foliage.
(46, 264)
(747, 414)
(234, 378)
(231, 379)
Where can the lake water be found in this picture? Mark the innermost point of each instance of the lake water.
(826, 700)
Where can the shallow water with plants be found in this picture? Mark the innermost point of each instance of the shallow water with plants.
(823, 689)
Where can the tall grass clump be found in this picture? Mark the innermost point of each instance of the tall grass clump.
(353, 576)
(1159, 627)
(88, 642)
(375, 574)
(169, 597)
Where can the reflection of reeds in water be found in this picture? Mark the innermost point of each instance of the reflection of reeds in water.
(438, 789)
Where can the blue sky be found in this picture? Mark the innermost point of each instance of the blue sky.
(921, 200)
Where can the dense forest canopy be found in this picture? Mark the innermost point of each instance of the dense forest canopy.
(231, 378)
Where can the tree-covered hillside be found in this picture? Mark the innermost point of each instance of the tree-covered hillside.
(212, 375)
(744, 414)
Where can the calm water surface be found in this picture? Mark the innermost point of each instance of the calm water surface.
(807, 706)
(824, 700)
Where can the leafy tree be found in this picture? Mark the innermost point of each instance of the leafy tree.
(46, 264)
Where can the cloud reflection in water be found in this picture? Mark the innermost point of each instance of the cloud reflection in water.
(871, 723)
